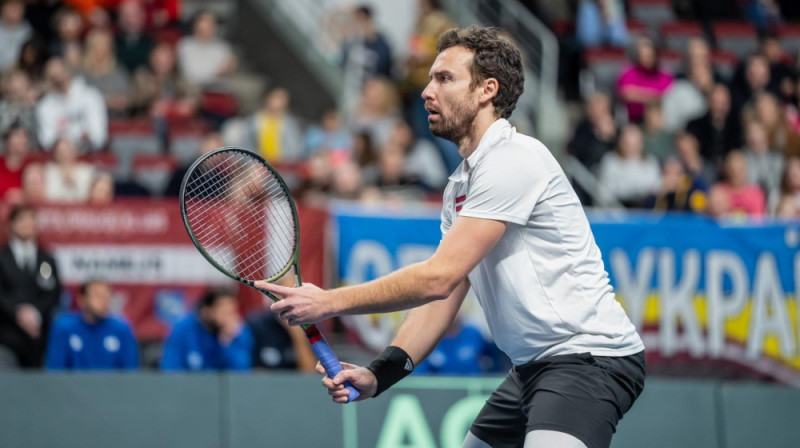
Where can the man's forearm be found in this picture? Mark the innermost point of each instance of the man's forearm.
(424, 327)
(412, 286)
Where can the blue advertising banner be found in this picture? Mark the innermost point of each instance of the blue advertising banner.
(724, 294)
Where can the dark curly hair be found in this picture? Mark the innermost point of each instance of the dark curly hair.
(495, 57)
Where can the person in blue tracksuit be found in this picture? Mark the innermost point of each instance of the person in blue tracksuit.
(460, 352)
(212, 338)
(91, 338)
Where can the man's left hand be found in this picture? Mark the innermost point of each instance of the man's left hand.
(305, 304)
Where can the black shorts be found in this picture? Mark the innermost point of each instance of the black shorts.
(581, 395)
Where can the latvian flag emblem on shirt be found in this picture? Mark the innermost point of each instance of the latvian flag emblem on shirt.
(460, 202)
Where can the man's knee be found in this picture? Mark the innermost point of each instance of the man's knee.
(543, 438)
(471, 441)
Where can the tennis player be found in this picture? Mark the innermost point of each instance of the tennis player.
(514, 230)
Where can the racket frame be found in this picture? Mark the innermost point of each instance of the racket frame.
(318, 343)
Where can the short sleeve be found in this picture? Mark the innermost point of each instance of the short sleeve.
(447, 219)
(506, 185)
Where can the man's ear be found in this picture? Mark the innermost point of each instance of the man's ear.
(488, 90)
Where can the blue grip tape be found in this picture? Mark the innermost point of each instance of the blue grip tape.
(332, 365)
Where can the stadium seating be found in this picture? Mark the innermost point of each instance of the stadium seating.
(790, 38)
(128, 138)
(652, 12)
(185, 137)
(604, 66)
(724, 63)
(637, 29)
(168, 35)
(736, 37)
(38, 157)
(563, 28)
(671, 61)
(153, 171)
(675, 35)
(102, 160)
(219, 103)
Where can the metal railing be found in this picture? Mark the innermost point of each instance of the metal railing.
(298, 22)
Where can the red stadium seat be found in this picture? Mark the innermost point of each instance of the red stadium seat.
(38, 157)
(739, 38)
(168, 35)
(185, 137)
(292, 169)
(637, 29)
(724, 62)
(563, 28)
(790, 38)
(153, 171)
(128, 138)
(132, 126)
(219, 103)
(605, 65)
(105, 161)
(652, 12)
(675, 35)
(671, 61)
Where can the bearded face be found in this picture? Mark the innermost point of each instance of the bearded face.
(454, 119)
(450, 97)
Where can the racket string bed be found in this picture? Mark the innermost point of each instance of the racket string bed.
(211, 237)
(240, 215)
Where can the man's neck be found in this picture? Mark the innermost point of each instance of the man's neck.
(470, 142)
(89, 318)
(64, 90)
(19, 240)
(14, 162)
(719, 119)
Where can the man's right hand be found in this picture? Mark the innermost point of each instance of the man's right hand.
(359, 377)
(29, 319)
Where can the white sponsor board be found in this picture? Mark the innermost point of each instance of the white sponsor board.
(141, 264)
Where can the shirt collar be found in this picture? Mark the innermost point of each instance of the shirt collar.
(23, 251)
(22, 246)
(498, 131)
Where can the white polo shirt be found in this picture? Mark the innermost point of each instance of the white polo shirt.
(543, 287)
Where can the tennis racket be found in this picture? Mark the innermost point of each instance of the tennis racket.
(240, 216)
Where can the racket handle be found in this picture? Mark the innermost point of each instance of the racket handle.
(332, 365)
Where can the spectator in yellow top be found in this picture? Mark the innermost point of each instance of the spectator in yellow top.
(275, 132)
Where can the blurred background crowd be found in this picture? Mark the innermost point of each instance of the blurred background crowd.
(104, 99)
(680, 105)
(687, 106)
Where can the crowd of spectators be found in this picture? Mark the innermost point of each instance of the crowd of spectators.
(87, 87)
(82, 84)
(687, 133)
(38, 330)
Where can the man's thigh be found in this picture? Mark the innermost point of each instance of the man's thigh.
(576, 395)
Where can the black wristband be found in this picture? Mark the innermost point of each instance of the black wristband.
(391, 366)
